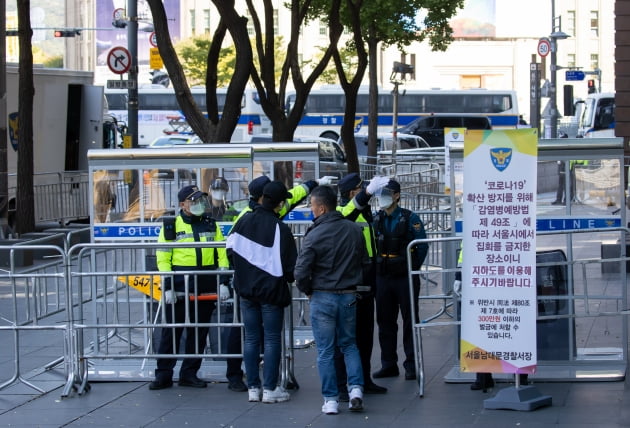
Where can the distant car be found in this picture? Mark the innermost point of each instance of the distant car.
(175, 140)
(332, 158)
(384, 141)
(431, 128)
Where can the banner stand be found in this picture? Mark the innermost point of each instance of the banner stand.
(524, 398)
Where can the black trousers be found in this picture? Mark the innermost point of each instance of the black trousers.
(392, 297)
(365, 341)
(195, 337)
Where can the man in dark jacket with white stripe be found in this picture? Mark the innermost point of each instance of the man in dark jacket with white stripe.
(263, 254)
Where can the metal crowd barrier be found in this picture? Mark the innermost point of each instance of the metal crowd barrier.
(59, 196)
(581, 323)
(35, 283)
(113, 322)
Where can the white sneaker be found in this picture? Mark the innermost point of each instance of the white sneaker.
(278, 395)
(254, 394)
(330, 407)
(356, 400)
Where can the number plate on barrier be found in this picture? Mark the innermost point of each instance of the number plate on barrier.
(146, 284)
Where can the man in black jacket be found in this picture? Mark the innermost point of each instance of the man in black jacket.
(263, 255)
(328, 270)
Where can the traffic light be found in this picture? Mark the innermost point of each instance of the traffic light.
(67, 33)
(591, 86)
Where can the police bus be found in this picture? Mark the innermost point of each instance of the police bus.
(324, 109)
(160, 114)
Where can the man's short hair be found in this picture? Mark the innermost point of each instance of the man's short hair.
(325, 196)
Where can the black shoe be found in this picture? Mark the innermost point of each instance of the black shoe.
(372, 388)
(386, 372)
(344, 397)
(237, 386)
(557, 203)
(193, 382)
(483, 382)
(161, 384)
(523, 379)
(410, 375)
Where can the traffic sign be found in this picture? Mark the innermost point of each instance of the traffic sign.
(544, 46)
(121, 84)
(119, 14)
(153, 39)
(155, 60)
(119, 60)
(574, 75)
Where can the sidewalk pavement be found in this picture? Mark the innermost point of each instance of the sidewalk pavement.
(132, 404)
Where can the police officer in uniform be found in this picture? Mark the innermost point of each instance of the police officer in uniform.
(354, 205)
(191, 225)
(395, 227)
(219, 209)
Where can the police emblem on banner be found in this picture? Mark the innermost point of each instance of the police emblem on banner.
(13, 130)
(501, 157)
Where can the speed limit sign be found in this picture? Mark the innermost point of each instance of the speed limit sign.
(544, 47)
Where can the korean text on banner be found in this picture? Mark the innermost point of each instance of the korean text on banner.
(499, 252)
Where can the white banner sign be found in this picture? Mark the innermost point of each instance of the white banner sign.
(499, 252)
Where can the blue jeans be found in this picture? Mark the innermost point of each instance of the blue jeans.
(260, 320)
(333, 317)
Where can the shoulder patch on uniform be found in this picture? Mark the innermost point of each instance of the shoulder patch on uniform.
(417, 226)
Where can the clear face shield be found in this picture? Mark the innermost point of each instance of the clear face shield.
(385, 198)
(199, 206)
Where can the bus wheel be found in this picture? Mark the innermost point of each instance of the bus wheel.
(330, 135)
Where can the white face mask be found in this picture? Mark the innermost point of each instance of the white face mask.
(197, 208)
(385, 201)
(218, 195)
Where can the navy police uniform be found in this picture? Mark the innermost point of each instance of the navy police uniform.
(393, 234)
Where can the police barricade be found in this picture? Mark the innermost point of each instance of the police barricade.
(581, 323)
(59, 197)
(34, 317)
(118, 305)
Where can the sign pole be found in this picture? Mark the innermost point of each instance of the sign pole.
(132, 37)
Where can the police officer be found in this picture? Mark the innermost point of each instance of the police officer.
(219, 209)
(395, 227)
(191, 225)
(354, 205)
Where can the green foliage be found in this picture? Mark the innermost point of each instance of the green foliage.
(193, 53)
(401, 22)
(45, 58)
(349, 59)
(54, 62)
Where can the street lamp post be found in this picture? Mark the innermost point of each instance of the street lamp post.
(556, 34)
(132, 43)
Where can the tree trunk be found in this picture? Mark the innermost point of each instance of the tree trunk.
(351, 88)
(25, 218)
(373, 101)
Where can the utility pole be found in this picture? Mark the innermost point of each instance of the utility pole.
(556, 34)
(399, 73)
(132, 40)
